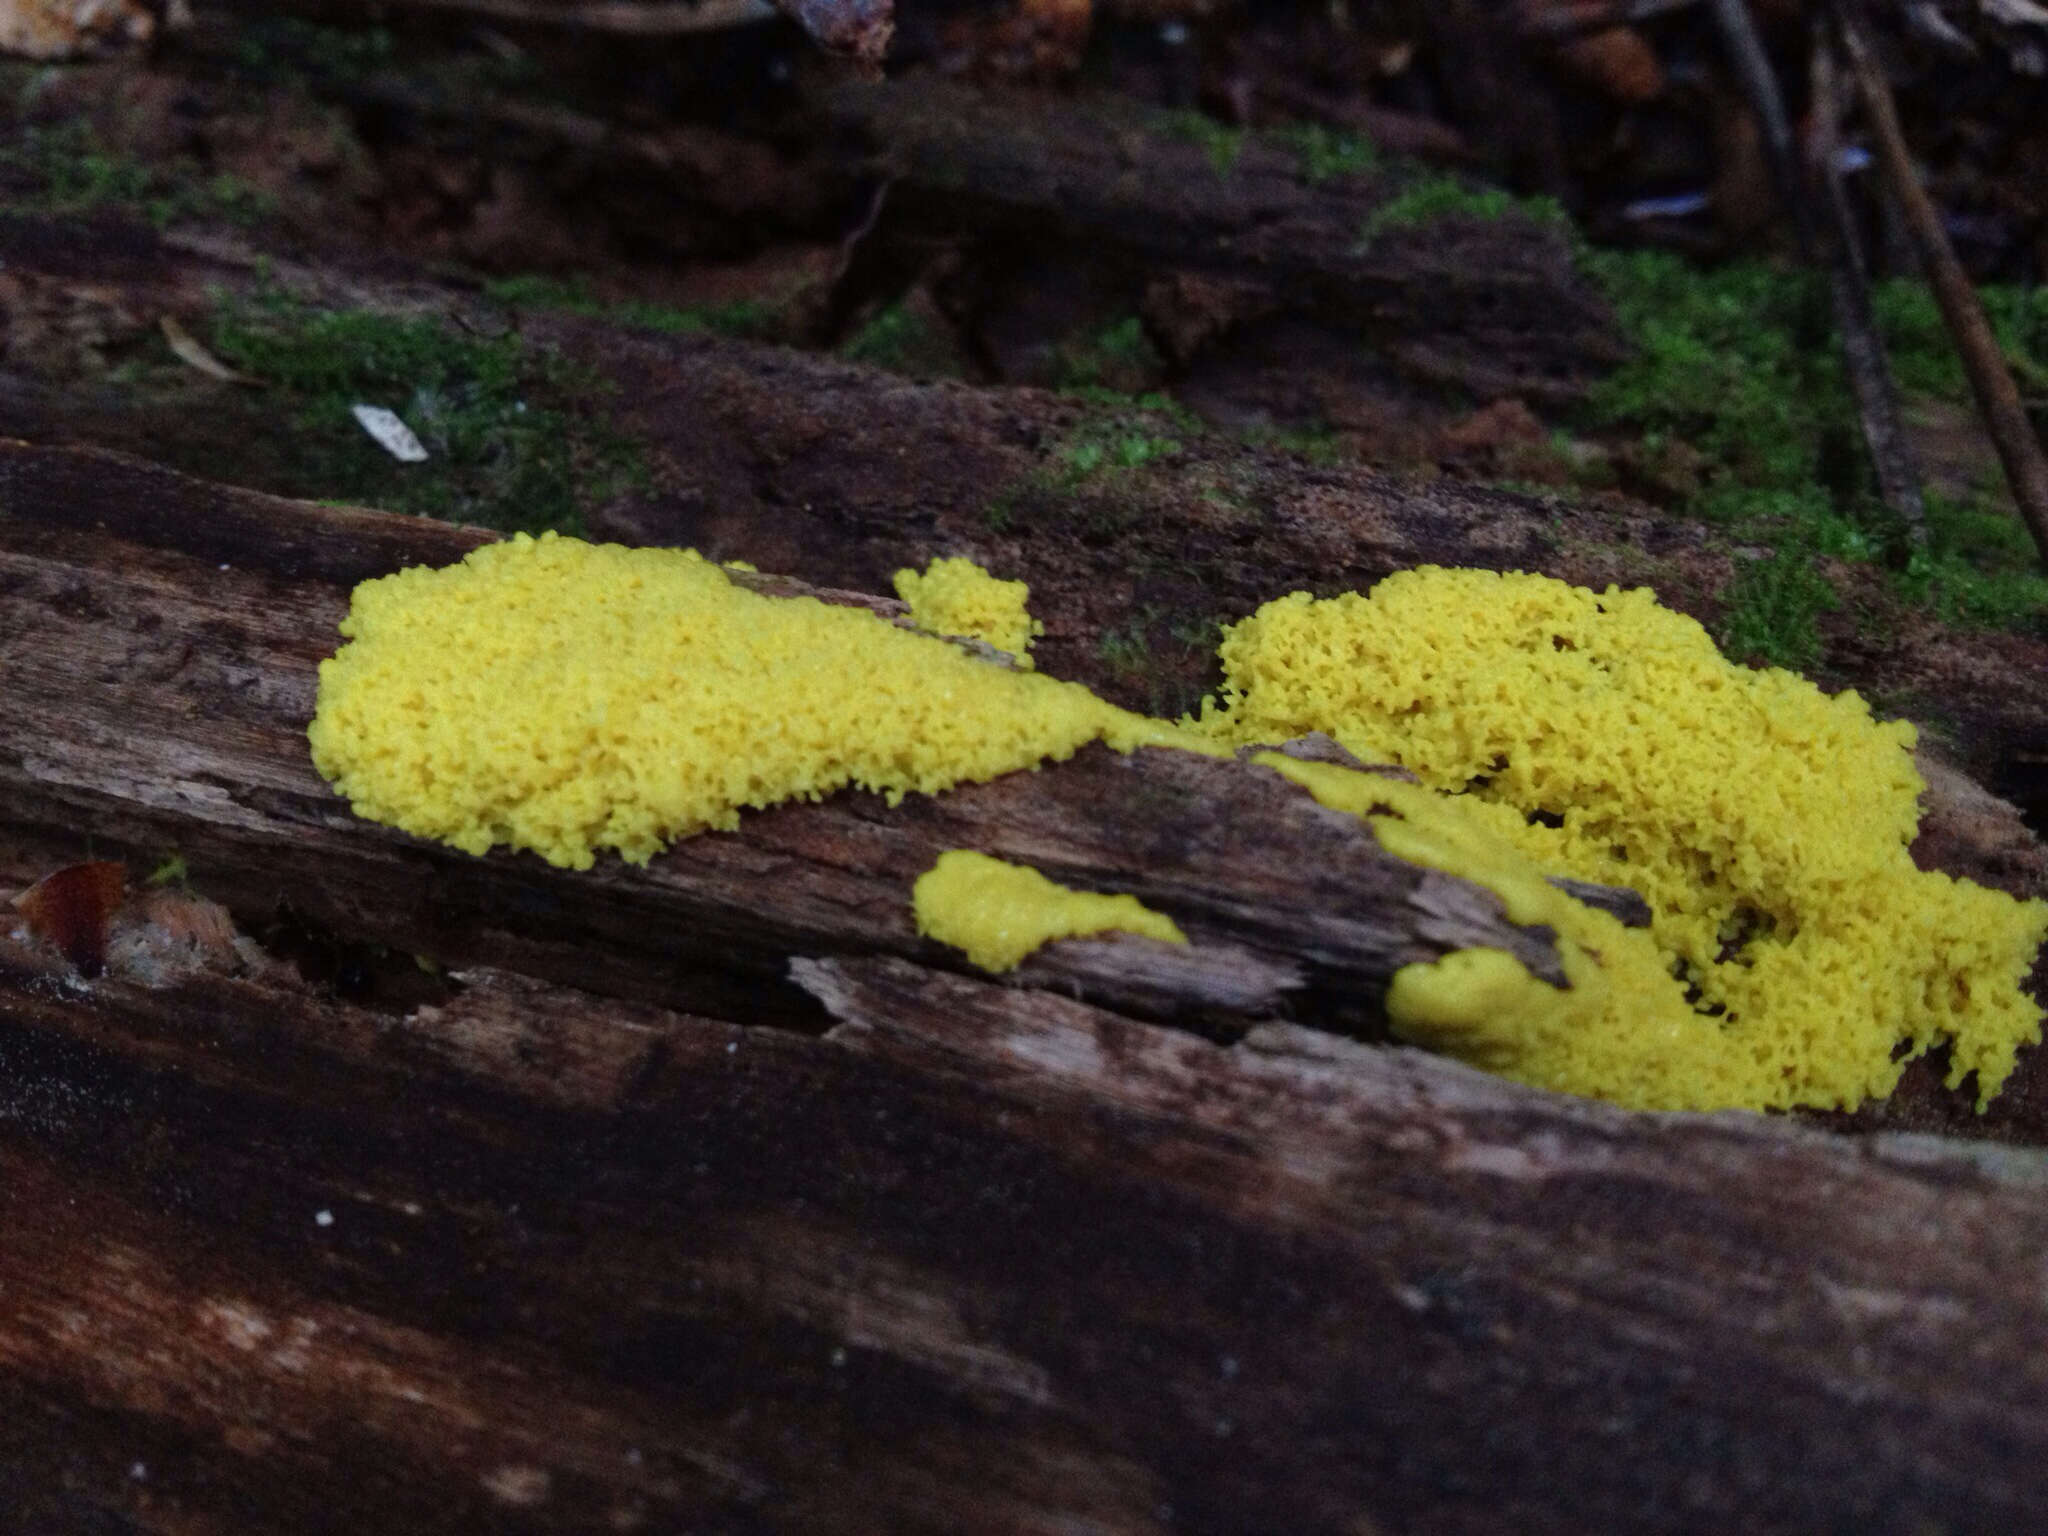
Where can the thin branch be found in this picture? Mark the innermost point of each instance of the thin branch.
(1870, 376)
(2019, 449)
(1760, 84)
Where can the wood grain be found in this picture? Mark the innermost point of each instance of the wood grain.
(706, 1197)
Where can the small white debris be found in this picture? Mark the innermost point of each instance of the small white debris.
(732, 1047)
(392, 435)
(139, 1471)
(839, 1357)
(323, 1218)
(521, 1487)
(225, 566)
(186, 348)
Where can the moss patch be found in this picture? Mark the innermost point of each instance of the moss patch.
(1432, 199)
(746, 318)
(66, 168)
(1742, 366)
(516, 436)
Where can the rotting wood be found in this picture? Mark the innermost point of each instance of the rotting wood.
(159, 695)
(1509, 314)
(994, 1257)
(793, 461)
(1002, 1260)
(1004, 180)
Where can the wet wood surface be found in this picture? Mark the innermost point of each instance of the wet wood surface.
(707, 1197)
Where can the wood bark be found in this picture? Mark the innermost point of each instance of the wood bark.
(160, 696)
(894, 173)
(1508, 314)
(707, 1197)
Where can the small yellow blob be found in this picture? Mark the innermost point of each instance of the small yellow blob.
(957, 597)
(999, 912)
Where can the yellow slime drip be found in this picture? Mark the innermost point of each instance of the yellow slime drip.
(999, 913)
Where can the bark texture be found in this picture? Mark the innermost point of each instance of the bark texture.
(707, 1197)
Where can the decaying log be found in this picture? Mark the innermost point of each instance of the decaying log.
(794, 461)
(786, 459)
(159, 697)
(1031, 180)
(706, 1197)
(1508, 312)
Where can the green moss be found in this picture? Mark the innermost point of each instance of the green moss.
(1924, 360)
(1126, 649)
(906, 338)
(1742, 364)
(1221, 144)
(1120, 434)
(1771, 610)
(1089, 480)
(1091, 453)
(1149, 409)
(1326, 153)
(1118, 353)
(888, 340)
(1315, 443)
(1164, 658)
(745, 318)
(1433, 199)
(517, 436)
(65, 168)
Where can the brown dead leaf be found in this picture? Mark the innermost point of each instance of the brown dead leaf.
(70, 29)
(1619, 63)
(72, 908)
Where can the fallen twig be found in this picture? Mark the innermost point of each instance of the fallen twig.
(1870, 377)
(2019, 450)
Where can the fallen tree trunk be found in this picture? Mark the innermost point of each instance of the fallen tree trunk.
(1208, 245)
(160, 697)
(1209, 240)
(705, 1196)
(798, 462)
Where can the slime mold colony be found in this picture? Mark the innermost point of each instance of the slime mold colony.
(565, 697)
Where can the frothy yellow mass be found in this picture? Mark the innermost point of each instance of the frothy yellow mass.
(1793, 945)
(953, 596)
(999, 912)
(564, 697)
